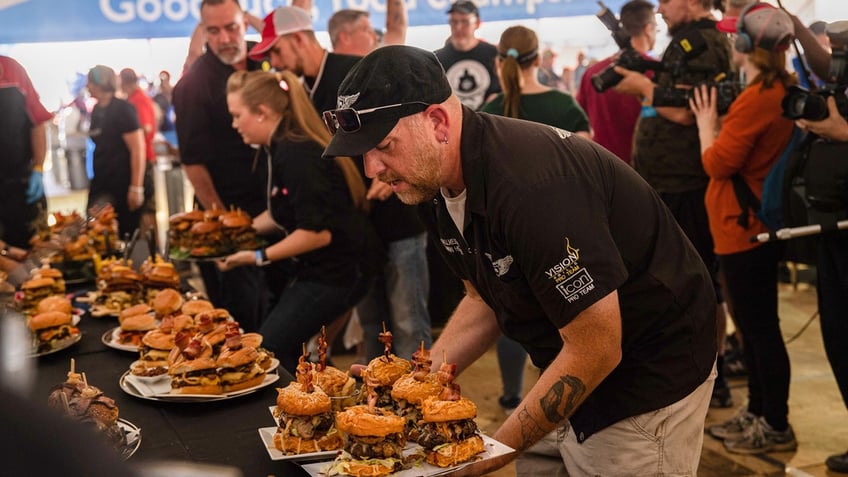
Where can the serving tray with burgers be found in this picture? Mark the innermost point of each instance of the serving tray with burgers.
(210, 235)
(53, 325)
(206, 361)
(74, 243)
(376, 438)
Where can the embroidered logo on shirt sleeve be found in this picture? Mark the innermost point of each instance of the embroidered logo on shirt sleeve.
(500, 265)
(572, 280)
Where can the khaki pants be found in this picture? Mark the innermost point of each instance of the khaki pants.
(665, 442)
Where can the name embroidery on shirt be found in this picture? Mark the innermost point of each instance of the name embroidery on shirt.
(451, 245)
(572, 280)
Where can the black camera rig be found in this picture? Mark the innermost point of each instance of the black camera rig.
(676, 63)
(800, 103)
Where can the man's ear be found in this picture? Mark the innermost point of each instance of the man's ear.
(438, 116)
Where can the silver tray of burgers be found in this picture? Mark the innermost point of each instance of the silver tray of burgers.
(162, 390)
(200, 235)
(198, 373)
(53, 326)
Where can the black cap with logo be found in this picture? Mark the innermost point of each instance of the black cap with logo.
(390, 83)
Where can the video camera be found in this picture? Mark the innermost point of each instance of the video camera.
(800, 103)
(628, 58)
(675, 63)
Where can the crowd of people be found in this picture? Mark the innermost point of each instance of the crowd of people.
(601, 233)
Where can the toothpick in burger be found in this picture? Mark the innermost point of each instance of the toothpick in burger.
(339, 385)
(306, 421)
(385, 370)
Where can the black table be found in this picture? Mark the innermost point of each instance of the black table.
(219, 432)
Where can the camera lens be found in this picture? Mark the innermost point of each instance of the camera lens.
(801, 104)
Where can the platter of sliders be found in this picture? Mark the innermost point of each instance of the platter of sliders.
(199, 235)
(78, 400)
(190, 351)
(409, 422)
(120, 287)
(305, 409)
(76, 243)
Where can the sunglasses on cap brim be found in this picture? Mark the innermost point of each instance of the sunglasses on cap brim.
(349, 120)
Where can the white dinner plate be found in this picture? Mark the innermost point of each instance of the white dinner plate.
(110, 339)
(267, 436)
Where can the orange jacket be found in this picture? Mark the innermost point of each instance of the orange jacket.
(752, 137)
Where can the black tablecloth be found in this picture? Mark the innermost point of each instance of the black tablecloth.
(221, 432)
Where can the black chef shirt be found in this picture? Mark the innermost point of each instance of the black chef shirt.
(554, 223)
(206, 135)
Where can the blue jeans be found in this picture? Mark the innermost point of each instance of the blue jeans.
(511, 359)
(399, 299)
(305, 307)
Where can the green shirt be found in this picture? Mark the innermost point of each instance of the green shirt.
(554, 108)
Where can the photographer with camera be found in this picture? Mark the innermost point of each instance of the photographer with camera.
(832, 284)
(612, 115)
(666, 150)
(752, 137)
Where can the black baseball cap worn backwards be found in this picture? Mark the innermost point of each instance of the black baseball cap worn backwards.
(392, 82)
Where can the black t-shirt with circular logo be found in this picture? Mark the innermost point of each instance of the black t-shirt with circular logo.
(471, 73)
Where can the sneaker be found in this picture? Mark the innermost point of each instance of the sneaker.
(761, 438)
(734, 364)
(509, 404)
(735, 427)
(721, 397)
(837, 463)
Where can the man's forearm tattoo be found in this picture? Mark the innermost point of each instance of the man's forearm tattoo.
(531, 431)
(561, 400)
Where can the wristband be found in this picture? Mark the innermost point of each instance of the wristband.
(38, 168)
(261, 257)
(137, 189)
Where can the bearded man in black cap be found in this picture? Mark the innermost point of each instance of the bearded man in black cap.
(571, 254)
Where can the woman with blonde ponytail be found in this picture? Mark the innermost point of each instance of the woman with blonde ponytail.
(318, 204)
(523, 97)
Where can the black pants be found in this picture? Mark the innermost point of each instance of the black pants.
(752, 285)
(691, 214)
(18, 220)
(833, 304)
(242, 291)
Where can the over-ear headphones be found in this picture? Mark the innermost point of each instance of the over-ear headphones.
(744, 43)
